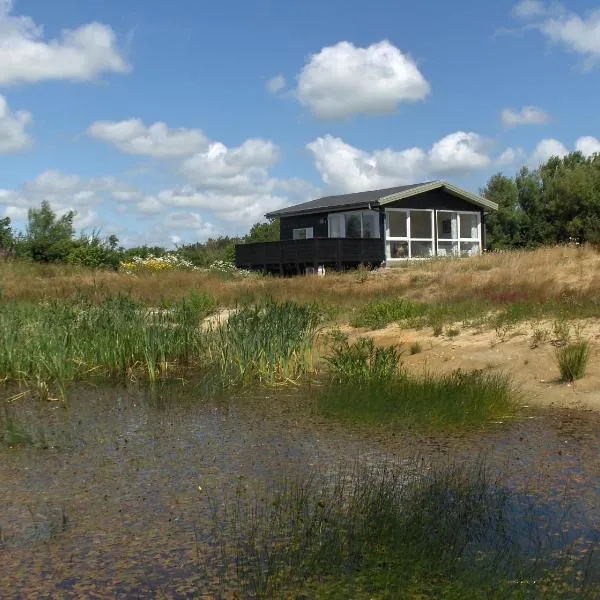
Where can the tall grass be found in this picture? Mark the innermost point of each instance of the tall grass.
(267, 343)
(388, 532)
(118, 337)
(572, 360)
(368, 385)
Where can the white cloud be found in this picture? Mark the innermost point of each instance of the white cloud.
(79, 54)
(134, 137)
(509, 157)
(13, 126)
(459, 153)
(64, 192)
(545, 150)
(531, 9)
(528, 115)
(578, 34)
(344, 80)
(348, 169)
(232, 168)
(588, 145)
(276, 84)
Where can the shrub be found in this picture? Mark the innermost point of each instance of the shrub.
(415, 348)
(572, 360)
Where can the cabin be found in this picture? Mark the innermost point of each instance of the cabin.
(373, 228)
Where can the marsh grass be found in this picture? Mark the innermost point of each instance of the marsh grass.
(572, 360)
(45, 346)
(267, 343)
(394, 532)
(368, 385)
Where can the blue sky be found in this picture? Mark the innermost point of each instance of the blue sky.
(173, 122)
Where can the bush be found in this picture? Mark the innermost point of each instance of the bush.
(572, 360)
(156, 264)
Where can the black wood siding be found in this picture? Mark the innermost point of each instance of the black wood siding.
(437, 199)
(317, 221)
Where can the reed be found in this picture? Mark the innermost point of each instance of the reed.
(388, 532)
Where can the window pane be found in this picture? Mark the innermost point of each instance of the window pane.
(468, 226)
(370, 225)
(397, 249)
(420, 224)
(421, 249)
(469, 248)
(397, 223)
(299, 234)
(447, 224)
(447, 248)
(336, 226)
(353, 226)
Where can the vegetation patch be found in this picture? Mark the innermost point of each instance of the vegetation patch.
(368, 385)
(572, 360)
(387, 532)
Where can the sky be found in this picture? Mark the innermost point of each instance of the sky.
(172, 122)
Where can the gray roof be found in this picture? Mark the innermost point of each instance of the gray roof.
(378, 198)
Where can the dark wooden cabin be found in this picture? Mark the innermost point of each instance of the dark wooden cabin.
(372, 228)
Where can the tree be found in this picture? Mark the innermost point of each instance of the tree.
(264, 232)
(48, 238)
(504, 226)
(7, 238)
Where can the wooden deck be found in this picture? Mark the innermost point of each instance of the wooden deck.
(295, 256)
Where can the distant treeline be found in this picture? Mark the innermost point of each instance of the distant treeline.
(559, 202)
(49, 238)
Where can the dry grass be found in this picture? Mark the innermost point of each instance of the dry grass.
(503, 278)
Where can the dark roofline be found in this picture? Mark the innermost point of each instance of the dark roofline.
(386, 197)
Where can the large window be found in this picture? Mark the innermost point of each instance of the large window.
(409, 233)
(459, 233)
(358, 224)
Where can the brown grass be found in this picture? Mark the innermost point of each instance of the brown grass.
(502, 277)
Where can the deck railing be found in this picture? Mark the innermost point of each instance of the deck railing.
(338, 252)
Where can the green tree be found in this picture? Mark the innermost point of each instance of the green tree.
(264, 232)
(7, 238)
(504, 226)
(49, 238)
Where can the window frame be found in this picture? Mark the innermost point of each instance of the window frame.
(306, 230)
(459, 239)
(408, 238)
(342, 216)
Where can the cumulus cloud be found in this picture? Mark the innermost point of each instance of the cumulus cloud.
(576, 33)
(545, 150)
(348, 169)
(276, 84)
(13, 129)
(134, 137)
(79, 54)
(64, 192)
(243, 167)
(588, 145)
(509, 157)
(528, 115)
(345, 80)
(459, 153)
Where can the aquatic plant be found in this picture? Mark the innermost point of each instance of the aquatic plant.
(396, 532)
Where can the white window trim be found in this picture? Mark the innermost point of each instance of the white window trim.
(355, 212)
(408, 238)
(457, 240)
(307, 230)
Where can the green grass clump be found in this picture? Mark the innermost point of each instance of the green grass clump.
(572, 360)
(60, 342)
(384, 532)
(267, 343)
(369, 386)
(378, 314)
(416, 348)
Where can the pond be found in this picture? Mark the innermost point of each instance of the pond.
(116, 491)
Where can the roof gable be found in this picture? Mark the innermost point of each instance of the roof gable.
(379, 198)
